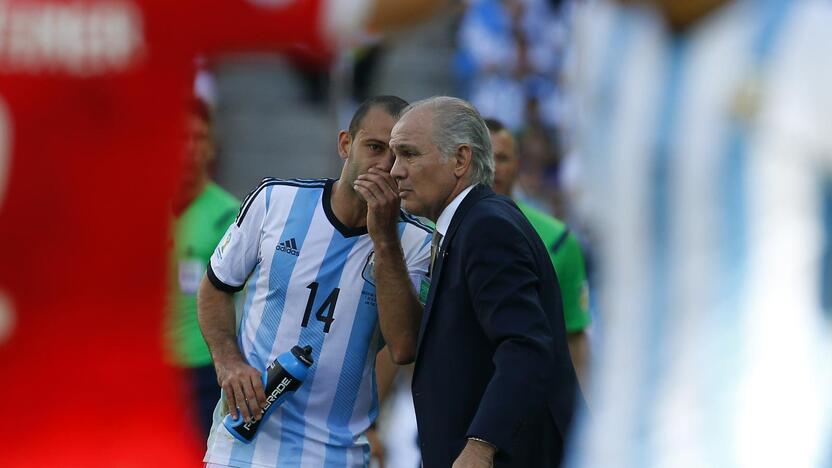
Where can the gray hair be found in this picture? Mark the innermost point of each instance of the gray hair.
(456, 122)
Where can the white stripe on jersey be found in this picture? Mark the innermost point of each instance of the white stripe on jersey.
(308, 267)
(714, 347)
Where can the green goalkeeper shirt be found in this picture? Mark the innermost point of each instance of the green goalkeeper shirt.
(568, 261)
(197, 233)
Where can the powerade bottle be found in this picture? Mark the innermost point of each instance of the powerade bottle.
(280, 380)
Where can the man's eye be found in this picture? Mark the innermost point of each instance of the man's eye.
(375, 147)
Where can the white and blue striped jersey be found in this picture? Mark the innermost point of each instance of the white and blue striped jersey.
(707, 158)
(309, 282)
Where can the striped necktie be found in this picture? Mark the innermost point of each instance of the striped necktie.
(434, 249)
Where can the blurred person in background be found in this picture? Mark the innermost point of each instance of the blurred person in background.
(564, 249)
(509, 58)
(203, 212)
(85, 207)
(342, 248)
(705, 133)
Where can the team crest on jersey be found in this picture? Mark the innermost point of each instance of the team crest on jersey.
(745, 104)
(368, 273)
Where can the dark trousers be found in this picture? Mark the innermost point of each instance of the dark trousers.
(203, 392)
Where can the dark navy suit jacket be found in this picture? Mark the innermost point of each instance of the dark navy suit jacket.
(492, 359)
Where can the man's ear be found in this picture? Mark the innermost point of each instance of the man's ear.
(462, 160)
(344, 142)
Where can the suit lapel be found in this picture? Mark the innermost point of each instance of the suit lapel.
(476, 194)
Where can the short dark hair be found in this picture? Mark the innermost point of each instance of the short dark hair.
(494, 125)
(393, 105)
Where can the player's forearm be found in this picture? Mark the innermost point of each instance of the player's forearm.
(580, 352)
(399, 310)
(386, 371)
(216, 316)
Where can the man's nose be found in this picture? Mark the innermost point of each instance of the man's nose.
(397, 171)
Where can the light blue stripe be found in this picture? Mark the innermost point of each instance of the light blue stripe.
(660, 229)
(613, 68)
(428, 238)
(280, 273)
(599, 145)
(364, 329)
(252, 291)
(825, 285)
(774, 19)
(826, 259)
(329, 276)
(252, 283)
(727, 339)
(349, 382)
(282, 265)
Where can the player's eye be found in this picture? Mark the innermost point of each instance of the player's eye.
(375, 147)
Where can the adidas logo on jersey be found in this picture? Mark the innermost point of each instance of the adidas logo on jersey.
(289, 246)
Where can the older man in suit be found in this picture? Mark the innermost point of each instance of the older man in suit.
(493, 383)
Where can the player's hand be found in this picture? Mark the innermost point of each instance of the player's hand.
(243, 389)
(376, 447)
(381, 193)
(475, 455)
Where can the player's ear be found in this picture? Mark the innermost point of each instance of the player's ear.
(344, 142)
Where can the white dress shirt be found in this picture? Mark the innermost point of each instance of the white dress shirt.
(444, 220)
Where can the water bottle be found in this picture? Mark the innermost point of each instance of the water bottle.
(280, 380)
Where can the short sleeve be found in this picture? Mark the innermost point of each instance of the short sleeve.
(568, 261)
(239, 250)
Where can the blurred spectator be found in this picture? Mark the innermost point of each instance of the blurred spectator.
(509, 59)
(365, 65)
(538, 181)
(563, 247)
(203, 212)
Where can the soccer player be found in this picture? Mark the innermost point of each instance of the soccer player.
(564, 248)
(91, 124)
(705, 133)
(317, 268)
(203, 211)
